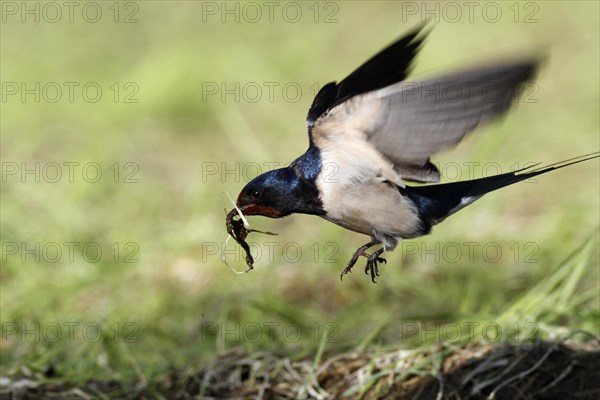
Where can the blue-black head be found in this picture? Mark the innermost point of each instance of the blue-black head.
(279, 193)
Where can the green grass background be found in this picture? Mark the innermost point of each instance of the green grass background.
(177, 288)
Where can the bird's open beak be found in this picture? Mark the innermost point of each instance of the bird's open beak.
(254, 209)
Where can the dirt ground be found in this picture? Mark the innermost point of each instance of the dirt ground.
(541, 370)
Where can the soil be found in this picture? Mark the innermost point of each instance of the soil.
(540, 370)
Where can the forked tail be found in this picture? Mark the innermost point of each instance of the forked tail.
(437, 202)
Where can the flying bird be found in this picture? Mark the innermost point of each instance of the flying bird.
(373, 131)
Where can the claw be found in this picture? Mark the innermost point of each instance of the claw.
(373, 259)
(374, 272)
(354, 259)
(348, 268)
(344, 272)
(372, 265)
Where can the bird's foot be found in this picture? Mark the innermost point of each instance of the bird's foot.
(352, 261)
(360, 252)
(372, 264)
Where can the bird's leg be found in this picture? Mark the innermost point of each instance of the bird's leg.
(358, 253)
(372, 261)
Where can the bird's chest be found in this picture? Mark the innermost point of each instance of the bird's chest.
(357, 188)
(359, 198)
(354, 205)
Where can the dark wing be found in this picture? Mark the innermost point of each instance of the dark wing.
(409, 121)
(385, 68)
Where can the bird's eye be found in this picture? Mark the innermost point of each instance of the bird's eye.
(255, 194)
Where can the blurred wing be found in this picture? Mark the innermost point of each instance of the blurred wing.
(407, 121)
(417, 119)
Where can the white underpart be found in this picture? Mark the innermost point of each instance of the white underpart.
(361, 194)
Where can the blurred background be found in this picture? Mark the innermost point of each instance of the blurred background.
(123, 124)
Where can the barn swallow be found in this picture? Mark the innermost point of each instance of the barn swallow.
(373, 131)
